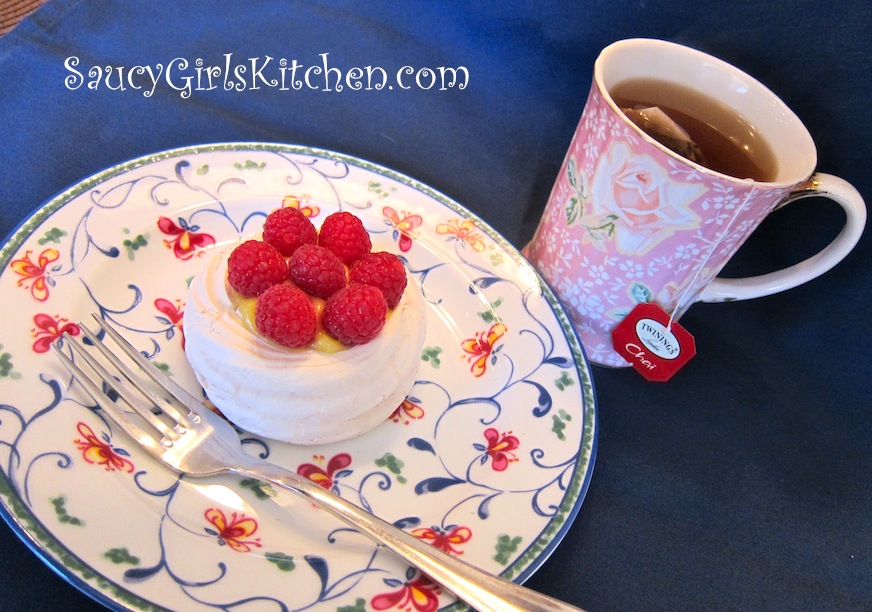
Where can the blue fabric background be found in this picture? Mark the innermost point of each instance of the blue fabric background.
(743, 484)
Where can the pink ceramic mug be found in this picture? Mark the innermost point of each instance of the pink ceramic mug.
(630, 221)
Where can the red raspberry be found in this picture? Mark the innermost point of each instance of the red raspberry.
(355, 314)
(344, 234)
(254, 266)
(287, 228)
(285, 315)
(317, 271)
(384, 271)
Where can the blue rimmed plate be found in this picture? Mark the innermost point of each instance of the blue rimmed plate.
(489, 457)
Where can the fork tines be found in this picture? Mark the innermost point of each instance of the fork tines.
(165, 415)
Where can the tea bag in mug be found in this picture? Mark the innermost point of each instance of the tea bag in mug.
(660, 126)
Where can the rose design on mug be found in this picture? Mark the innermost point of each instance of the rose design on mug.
(649, 205)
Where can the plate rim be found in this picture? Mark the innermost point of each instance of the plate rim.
(75, 571)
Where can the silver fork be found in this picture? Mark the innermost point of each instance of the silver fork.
(179, 430)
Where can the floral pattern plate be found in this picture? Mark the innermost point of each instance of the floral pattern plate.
(488, 458)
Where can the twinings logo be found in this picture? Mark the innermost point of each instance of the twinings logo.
(657, 338)
(655, 345)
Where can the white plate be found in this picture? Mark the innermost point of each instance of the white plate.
(491, 457)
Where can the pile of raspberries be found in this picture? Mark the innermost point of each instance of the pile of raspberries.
(295, 263)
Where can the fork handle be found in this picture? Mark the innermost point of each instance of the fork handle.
(481, 590)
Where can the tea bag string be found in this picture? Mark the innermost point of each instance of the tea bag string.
(683, 300)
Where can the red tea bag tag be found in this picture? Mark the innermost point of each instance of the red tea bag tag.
(655, 348)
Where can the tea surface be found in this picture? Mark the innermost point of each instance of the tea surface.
(729, 144)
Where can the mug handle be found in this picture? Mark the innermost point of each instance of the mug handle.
(824, 185)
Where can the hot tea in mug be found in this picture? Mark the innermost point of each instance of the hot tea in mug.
(649, 213)
(726, 142)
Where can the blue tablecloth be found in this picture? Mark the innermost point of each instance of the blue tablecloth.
(744, 483)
